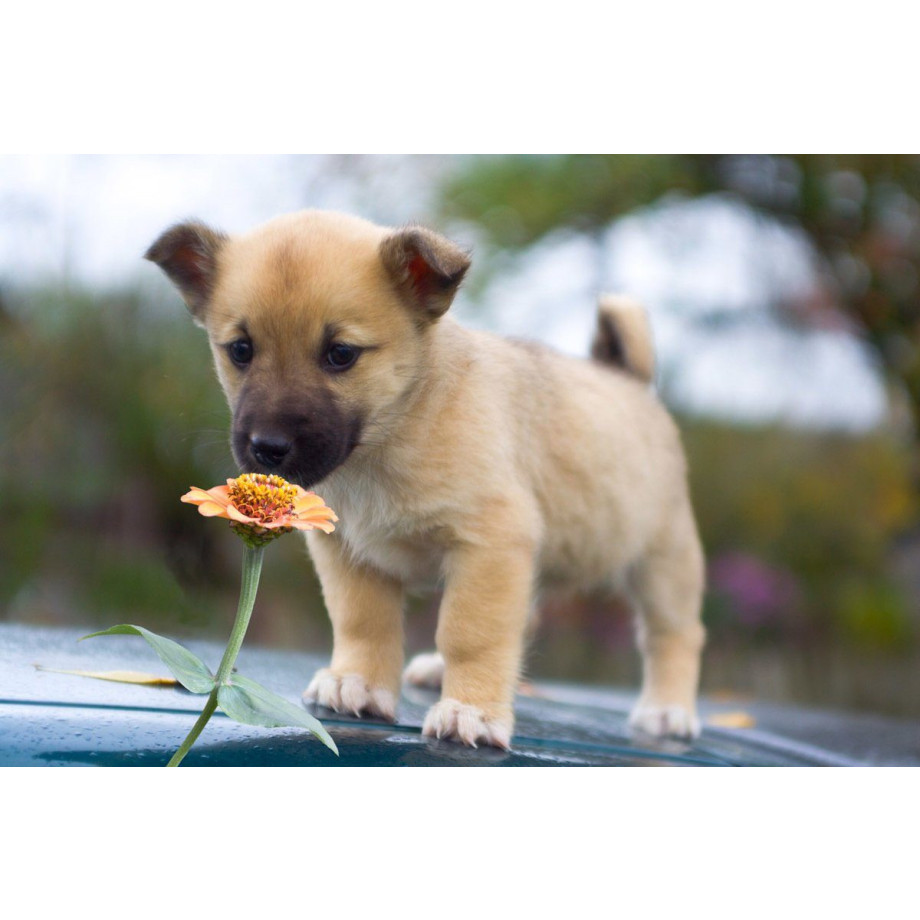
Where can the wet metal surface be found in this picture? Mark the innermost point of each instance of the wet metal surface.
(66, 720)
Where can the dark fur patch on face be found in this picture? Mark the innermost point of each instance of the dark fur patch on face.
(318, 435)
(187, 253)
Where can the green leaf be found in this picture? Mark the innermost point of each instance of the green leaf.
(250, 703)
(189, 669)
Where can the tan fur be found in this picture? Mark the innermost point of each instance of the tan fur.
(493, 466)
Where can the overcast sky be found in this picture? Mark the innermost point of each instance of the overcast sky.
(88, 219)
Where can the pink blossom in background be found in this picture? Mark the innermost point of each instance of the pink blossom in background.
(761, 594)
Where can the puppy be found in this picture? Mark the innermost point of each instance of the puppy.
(451, 456)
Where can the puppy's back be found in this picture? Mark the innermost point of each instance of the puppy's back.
(589, 441)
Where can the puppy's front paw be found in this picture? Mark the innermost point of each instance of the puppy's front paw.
(468, 724)
(425, 670)
(664, 720)
(350, 693)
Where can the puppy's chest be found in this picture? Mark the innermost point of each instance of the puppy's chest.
(393, 535)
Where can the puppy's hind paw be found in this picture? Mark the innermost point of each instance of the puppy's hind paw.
(425, 670)
(350, 693)
(664, 720)
(459, 722)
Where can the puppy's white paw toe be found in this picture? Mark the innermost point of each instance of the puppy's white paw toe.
(664, 720)
(425, 670)
(459, 722)
(350, 693)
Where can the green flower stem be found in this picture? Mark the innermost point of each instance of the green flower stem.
(186, 746)
(252, 569)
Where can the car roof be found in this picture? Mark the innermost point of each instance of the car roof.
(52, 718)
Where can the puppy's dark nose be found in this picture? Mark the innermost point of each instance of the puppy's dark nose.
(269, 451)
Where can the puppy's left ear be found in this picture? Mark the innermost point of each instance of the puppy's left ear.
(188, 254)
(426, 268)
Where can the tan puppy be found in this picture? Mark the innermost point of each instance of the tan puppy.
(449, 455)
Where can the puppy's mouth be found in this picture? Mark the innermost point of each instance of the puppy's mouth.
(302, 454)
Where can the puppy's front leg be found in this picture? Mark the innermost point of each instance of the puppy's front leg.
(480, 633)
(366, 610)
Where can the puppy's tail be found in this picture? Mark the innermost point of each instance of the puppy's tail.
(623, 338)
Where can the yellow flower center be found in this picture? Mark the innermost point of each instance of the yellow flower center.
(265, 498)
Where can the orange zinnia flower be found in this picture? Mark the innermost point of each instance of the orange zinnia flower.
(261, 507)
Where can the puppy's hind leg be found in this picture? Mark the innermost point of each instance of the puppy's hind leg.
(425, 670)
(668, 588)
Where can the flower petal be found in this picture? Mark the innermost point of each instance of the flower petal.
(219, 495)
(195, 496)
(212, 509)
(234, 514)
(306, 502)
(310, 505)
(285, 521)
(325, 525)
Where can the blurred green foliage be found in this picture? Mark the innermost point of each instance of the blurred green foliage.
(822, 512)
(110, 412)
(517, 200)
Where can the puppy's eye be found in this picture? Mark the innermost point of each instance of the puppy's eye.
(340, 356)
(240, 352)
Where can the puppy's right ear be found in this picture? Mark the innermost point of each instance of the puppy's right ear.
(188, 254)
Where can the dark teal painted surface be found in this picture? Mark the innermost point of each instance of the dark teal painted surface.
(51, 719)
(52, 735)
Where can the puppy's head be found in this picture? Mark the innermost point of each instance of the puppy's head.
(319, 325)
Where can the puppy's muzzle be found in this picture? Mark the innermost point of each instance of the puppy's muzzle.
(301, 449)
